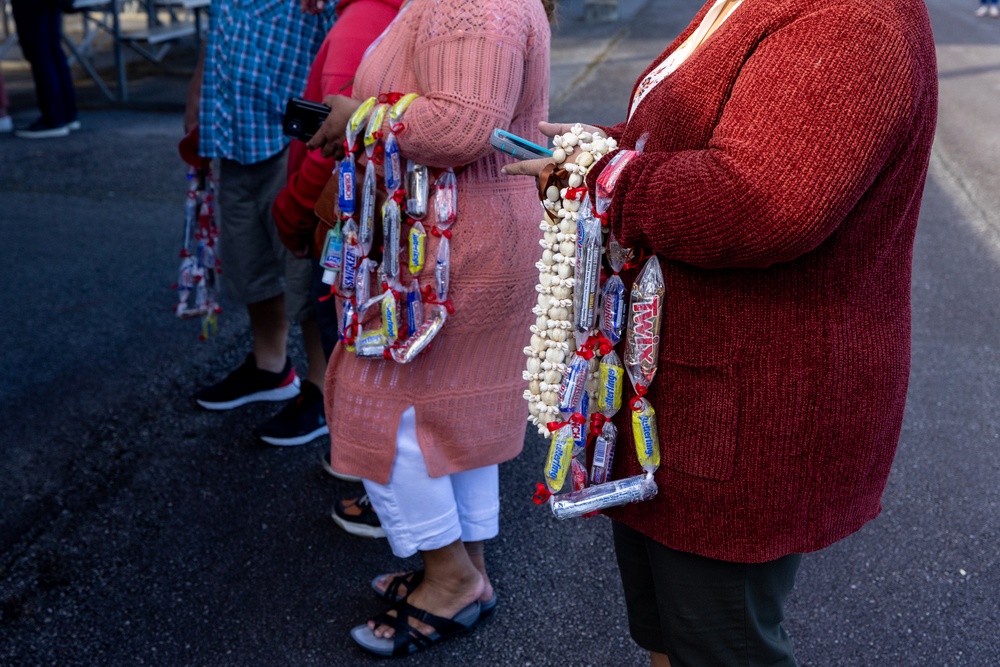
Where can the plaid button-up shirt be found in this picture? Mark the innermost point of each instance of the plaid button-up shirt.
(258, 54)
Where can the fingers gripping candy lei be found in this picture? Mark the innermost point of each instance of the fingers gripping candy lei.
(579, 320)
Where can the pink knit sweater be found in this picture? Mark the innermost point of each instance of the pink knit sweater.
(477, 66)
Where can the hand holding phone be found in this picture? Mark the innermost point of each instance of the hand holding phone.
(303, 118)
(522, 149)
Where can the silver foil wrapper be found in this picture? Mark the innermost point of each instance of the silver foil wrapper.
(418, 188)
(421, 338)
(366, 227)
(588, 268)
(611, 494)
(391, 224)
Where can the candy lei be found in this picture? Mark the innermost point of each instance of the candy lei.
(571, 396)
(348, 246)
(197, 280)
(552, 340)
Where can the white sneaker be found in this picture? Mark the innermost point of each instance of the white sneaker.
(982, 10)
(6, 124)
(994, 12)
(74, 125)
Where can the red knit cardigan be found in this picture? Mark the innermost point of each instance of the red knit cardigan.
(779, 187)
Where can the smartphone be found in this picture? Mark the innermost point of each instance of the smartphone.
(522, 149)
(303, 118)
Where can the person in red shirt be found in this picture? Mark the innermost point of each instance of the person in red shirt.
(359, 23)
(776, 172)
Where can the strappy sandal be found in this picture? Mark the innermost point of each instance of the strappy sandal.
(411, 580)
(391, 593)
(407, 639)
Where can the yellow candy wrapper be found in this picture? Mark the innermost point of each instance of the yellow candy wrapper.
(647, 442)
(374, 128)
(612, 377)
(357, 120)
(560, 455)
(417, 245)
(390, 318)
(399, 108)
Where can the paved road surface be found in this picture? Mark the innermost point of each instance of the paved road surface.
(136, 530)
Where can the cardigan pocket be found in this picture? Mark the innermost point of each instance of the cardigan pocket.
(700, 421)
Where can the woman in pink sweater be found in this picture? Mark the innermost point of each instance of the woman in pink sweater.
(786, 144)
(427, 436)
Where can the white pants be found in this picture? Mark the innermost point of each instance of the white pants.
(420, 513)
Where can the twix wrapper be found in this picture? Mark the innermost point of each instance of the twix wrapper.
(642, 341)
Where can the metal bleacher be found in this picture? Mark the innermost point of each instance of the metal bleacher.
(167, 21)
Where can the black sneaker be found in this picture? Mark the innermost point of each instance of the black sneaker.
(356, 516)
(301, 421)
(333, 473)
(248, 384)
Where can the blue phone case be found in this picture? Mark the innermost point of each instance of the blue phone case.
(512, 144)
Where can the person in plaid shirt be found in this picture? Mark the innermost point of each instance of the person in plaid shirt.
(256, 55)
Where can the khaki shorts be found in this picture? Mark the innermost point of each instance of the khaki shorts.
(256, 266)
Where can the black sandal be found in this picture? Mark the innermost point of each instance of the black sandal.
(407, 639)
(391, 593)
(411, 580)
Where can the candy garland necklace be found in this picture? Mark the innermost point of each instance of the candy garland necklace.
(562, 390)
(551, 338)
(348, 246)
(197, 279)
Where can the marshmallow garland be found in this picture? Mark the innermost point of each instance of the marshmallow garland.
(553, 341)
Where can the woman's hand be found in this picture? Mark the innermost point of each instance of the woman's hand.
(535, 167)
(330, 137)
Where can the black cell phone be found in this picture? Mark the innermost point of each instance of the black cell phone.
(303, 118)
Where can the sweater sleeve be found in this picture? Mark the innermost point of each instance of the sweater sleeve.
(814, 115)
(469, 64)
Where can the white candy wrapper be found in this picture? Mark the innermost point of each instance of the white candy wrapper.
(352, 257)
(602, 496)
(445, 199)
(442, 270)
(604, 454)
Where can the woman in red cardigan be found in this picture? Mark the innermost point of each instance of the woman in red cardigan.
(786, 148)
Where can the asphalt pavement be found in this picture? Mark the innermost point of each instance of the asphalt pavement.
(138, 530)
